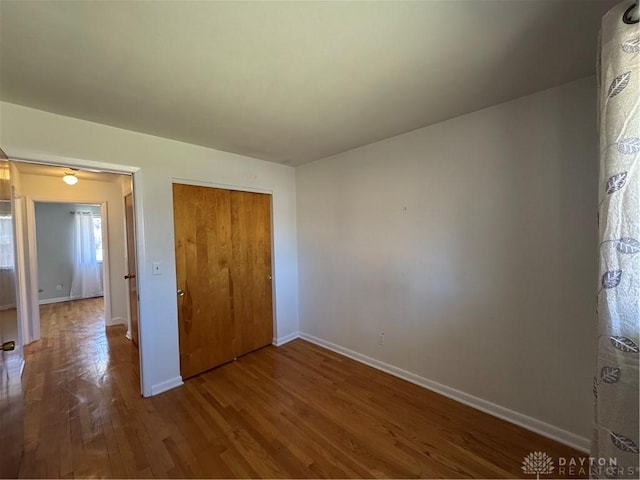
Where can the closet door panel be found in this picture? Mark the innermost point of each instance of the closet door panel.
(251, 273)
(202, 223)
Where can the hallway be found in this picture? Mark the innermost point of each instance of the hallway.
(76, 381)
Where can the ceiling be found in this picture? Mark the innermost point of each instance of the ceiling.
(288, 82)
(54, 171)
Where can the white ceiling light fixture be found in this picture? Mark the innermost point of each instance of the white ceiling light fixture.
(70, 178)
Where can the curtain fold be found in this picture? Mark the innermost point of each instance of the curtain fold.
(87, 279)
(615, 442)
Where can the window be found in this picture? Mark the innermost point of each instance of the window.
(97, 233)
(6, 242)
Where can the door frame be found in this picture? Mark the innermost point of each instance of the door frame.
(136, 176)
(243, 188)
(22, 300)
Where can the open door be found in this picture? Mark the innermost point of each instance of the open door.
(131, 266)
(11, 359)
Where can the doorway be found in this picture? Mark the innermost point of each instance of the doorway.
(71, 241)
(11, 361)
(97, 200)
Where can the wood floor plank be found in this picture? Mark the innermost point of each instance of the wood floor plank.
(297, 411)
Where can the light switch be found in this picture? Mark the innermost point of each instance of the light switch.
(157, 268)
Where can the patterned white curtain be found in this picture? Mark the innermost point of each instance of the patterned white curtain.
(87, 279)
(615, 443)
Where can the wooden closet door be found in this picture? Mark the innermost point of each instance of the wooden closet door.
(223, 273)
(202, 223)
(251, 270)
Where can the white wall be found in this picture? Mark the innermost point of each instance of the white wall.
(471, 244)
(55, 228)
(29, 133)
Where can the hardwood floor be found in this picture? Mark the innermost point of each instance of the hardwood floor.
(11, 413)
(297, 411)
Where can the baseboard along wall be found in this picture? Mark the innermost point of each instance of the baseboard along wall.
(542, 428)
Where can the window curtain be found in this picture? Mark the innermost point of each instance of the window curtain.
(615, 441)
(87, 279)
(6, 242)
(7, 267)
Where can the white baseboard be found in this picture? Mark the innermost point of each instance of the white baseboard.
(116, 321)
(166, 385)
(567, 438)
(46, 301)
(278, 342)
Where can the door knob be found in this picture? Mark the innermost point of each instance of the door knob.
(127, 277)
(180, 292)
(8, 346)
